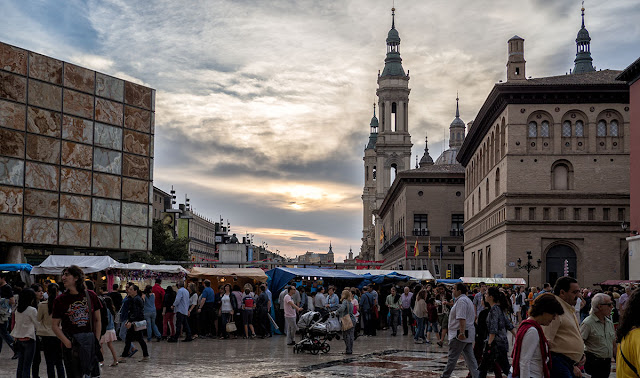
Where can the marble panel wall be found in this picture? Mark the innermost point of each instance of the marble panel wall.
(13, 59)
(75, 207)
(75, 233)
(107, 161)
(106, 185)
(77, 129)
(41, 176)
(75, 148)
(11, 171)
(45, 68)
(45, 95)
(109, 87)
(13, 87)
(11, 200)
(135, 214)
(108, 136)
(77, 103)
(134, 238)
(105, 235)
(44, 122)
(46, 150)
(135, 190)
(136, 143)
(76, 155)
(12, 115)
(40, 230)
(109, 112)
(135, 166)
(39, 203)
(104, 210)
(75, 181)
(12, 143)
(79, 78)
(11, 230)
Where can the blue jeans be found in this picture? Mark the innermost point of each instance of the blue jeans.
(26, 350)
(432, 327)
(419, 329)
(152, 328)
(4, 335)
(560, 367)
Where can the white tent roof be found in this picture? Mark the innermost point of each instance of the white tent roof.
(54, 264)
(423, 275)
(154, 268)
(494, 281)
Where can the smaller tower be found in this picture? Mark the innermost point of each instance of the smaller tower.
(373, 136)
(426, 158)
(583, 61)
(516, 62)
(456, 129)
(350, 253)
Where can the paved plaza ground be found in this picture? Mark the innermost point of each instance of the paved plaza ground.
(378, 356)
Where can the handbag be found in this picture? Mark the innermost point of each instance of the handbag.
(97, 351)
(346, 323)
(140, 325)
(231, 326)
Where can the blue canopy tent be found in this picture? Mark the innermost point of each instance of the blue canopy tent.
(379, 278)
(15, 267)
(281, 276)
(449, 281)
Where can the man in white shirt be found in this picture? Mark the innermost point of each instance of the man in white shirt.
(461, 332)
(290, 309)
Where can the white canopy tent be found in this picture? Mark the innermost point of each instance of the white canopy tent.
(494, 281)
(154, 268)
(422, 275)
(54, 264)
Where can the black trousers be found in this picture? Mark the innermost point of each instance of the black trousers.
(263, 323)
(132, 336)
(182, 320)
(407, 319)
(52, 347)
(158, 319)
(207, 317)
(597, 367)
(500, 358)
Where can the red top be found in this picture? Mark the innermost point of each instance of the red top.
(158, 291)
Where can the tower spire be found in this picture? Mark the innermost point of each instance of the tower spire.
(426, 158)
(457, 108)
(393, 16)
(393, 61)
(583, 61)
(583, 14)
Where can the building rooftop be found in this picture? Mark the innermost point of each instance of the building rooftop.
(586, 78)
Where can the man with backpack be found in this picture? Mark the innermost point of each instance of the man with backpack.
(367, 304)
(247, 313)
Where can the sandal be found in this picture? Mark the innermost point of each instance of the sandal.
(115, 363)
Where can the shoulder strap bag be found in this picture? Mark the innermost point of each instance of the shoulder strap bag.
(96, 347)
(633, 368)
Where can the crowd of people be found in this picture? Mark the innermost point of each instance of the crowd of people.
(560, 331)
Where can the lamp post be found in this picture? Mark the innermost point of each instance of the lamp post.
(529, 266)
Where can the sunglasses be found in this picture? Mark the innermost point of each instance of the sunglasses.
(607, 304)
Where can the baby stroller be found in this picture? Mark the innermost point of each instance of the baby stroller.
(316, 331)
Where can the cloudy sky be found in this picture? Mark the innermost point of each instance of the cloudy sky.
(263, 106)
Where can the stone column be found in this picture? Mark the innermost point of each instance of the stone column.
(15, 255)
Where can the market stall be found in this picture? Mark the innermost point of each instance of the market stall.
(282, 276)
(233, 276)
(495, 281)
(21, 270)
(145, 274)
(95, 268)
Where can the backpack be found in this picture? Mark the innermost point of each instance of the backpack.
(104, 317)
(519, 299)
(248, 302)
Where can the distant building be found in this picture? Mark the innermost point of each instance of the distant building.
(547, 171)
(317, 258)
(162, 201)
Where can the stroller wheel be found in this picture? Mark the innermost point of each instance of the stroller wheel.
(326, 348)
(315, 349)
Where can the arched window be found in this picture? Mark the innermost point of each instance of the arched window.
(561, 175)
(613, 128)
(566, 129)
(486, 192)
(601, 130)
(374, 173)
(497, 182)
(393, 171)
(533, 129)
(394, 118)
(544, 129)
(479, 199)
(579, 129)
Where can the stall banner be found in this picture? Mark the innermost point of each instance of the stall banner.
(183, 228)
(363, 264)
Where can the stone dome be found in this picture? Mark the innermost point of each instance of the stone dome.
(448, 157)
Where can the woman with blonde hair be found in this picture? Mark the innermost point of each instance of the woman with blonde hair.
(346, 308)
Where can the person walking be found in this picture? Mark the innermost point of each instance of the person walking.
(356, 312)
(628, 338)
(262, 312)
(206, 310)
(565, 340)
(421, 313)
(193, 313)
(407, 317)
(136, 316)
(168, 315)
(443, 306)
(460, 332)
(24, 332)
(76, 321)
(599, 337)
(367, 304)
(431, 321)
(50, 343)
(6, 303)
(158, 293)
(346, 308)
(478, 299)
(393, 302)
(37, 356)
(150, 313)
(290, 309)
(531, 355)
(181, 308)
(110, 335)
(497, 345)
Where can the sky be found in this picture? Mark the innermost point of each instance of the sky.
(263, 107)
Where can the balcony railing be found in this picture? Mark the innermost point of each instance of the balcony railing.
(420, 232)
(456, 232)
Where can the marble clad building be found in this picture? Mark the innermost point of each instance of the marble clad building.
(76, 156)
(547, 171)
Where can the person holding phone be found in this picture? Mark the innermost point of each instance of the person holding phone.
(461, 325)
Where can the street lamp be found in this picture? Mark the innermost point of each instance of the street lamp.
(528, 266)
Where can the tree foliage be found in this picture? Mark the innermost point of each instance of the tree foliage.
(165, 247)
